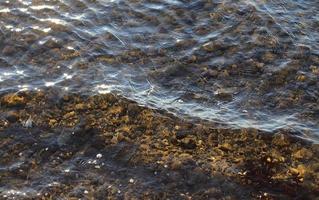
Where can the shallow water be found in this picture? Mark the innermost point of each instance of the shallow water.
(237, 63)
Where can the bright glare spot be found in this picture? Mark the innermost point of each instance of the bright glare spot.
(42, 42)
(67, 76)
(23, 87)
(49, 84)
(18, 29)
(23, 9)
(41, 7)
(5, 10)
(53, 20)
(46, 30)
(25, 3)
(8, 26)
(20, 72)
(103, 88)
(70, 48)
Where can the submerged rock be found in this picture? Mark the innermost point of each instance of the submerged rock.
(13, 100)
(166, 154)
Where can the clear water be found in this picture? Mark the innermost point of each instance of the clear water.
(238, 63)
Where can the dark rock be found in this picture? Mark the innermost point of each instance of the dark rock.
(188, 143)
(12, 116)
(8, 50)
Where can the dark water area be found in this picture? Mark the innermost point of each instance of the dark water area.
(236, 65)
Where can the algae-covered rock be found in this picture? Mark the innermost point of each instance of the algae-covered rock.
(13, 100)
(303, 154)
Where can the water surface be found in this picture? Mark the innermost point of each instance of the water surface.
(238, 63)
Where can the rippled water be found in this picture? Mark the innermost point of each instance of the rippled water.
(239, 63)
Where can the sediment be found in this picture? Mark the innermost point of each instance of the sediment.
(59, 145)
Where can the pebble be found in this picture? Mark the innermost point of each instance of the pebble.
(69, 115)
(98, 156)
(28, 123)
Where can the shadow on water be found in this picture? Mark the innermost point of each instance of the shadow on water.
(106, 146)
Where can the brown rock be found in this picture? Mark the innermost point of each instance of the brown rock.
(212, 46)
(225, 147)
(301, 78)
(300, 170)
(69, 115)
(280, 140)
(276, 156)
(176, 164)
(303, 154)
(13, 100)
(224, 94)
(80, 106)
(52, 122)
(118, 137)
